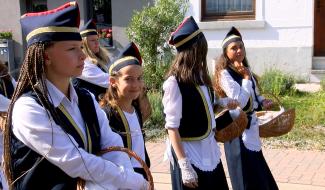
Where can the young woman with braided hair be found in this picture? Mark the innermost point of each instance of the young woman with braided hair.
(54, 130)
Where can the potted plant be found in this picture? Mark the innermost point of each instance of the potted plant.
(105, 35)
(6, 34)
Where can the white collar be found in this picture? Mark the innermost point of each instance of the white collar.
(56, 96)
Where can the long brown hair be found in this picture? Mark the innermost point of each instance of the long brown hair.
(190, 64)
(100, 58)
(111, 96)
(31, 78)
(222, 63)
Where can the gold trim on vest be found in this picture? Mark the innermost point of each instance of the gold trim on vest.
(88, 146)
(127, 127)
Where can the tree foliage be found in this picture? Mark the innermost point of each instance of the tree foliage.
(150, 29)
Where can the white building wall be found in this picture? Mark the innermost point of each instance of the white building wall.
(280, 37)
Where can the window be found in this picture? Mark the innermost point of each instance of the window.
(227, 9)
(36, 5)
(101, 12)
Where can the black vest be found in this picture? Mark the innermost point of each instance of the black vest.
(195, 123)
(117, 125)
(6, 87)
(45, 175)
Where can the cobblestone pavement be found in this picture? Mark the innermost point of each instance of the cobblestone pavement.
(292, 169)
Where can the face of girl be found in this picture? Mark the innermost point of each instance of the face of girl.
(236, 51)
(93, 43)
(129, 83)
(64, 59)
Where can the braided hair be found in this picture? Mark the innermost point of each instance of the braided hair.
(31, 78)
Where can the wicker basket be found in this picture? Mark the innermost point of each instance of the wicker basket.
(234, 129)
(3, 117)
(81, 182)
(279, 125)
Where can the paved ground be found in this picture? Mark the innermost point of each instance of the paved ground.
(308, 87)
(292, 169)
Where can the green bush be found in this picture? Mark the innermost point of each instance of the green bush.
(150, 29)
(277, 83)
(322, 84)
(5, 35)
(155, 125)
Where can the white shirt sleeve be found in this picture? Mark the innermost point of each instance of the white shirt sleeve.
(13, 81)
(172, 102)
(234, 90)
(4, 101)
(34, 128)
(93, 74)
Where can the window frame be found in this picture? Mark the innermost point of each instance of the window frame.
(239, 15)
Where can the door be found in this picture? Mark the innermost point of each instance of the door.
(319, 37)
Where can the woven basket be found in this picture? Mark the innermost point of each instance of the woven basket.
(3, 117)
(233, 130)
(280, 124)
(81, 182)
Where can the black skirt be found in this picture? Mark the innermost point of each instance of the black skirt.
(207, 180)
(256, 173)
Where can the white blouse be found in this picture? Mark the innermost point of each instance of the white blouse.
(32, 125)
(136, 136)
(242, 93)
(204, 154)
(4, 101)
(93, 74)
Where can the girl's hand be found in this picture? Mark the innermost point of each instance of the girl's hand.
(232, 104)
(267, 104)
(189, 176)
(243, 71)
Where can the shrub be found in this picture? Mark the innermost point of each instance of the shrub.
(150, 29)
(277, 83)
(5, 35)
(155, 125)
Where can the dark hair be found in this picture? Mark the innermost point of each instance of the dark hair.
(31, 78)
(4, 71)
(190, 64)
(222, 63)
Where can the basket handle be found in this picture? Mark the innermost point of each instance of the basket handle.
(135, 156)
(274, 97)
(81, 183)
